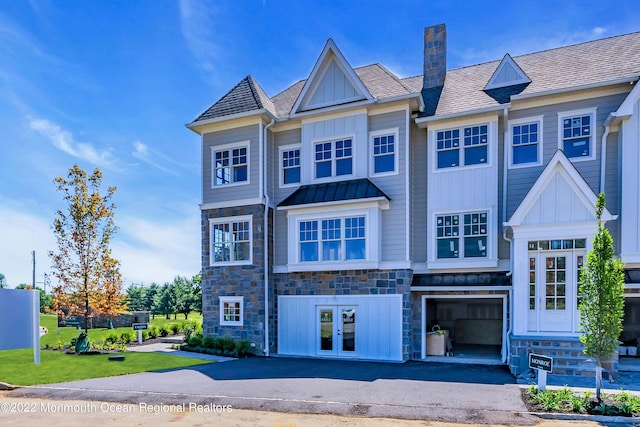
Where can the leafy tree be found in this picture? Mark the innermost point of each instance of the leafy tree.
(110, 300)
(601, 298)
(150, 299)
(197, 285)
(83, 234)
(188, 295)
(3, 281)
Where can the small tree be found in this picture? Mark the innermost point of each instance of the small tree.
(601, 298)
(83, 234)
(110, 299)
(3, 281)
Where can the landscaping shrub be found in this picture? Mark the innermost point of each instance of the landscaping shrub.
(153, 331)
(145, 335)
(126, 337)
(228, 346)
(243, 347)
(175, 328)
(189, 328)
(208, 342)
(195, 340)
(164, 331)
(218, 345)
(112, 338)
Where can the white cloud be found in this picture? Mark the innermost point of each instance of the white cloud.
(199, 30)
(63, 140)
(154, 158)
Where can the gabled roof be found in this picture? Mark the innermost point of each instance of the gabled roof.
(560, 184)
(508, 73)
(564, 68)
(332, 65)
(244, 97)
(357, 189)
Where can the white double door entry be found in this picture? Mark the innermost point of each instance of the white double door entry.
(336, 330)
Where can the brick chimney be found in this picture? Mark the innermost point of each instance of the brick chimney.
(435, 56)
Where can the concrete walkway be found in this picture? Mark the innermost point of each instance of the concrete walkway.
(166, 348)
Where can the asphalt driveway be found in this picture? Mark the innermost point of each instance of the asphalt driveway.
(412, 390)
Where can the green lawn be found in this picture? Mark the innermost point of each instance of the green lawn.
(50, 321)
(56, 366)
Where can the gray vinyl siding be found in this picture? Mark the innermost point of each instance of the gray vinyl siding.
(522, 179)
(393, 241)
(503, 245)
(280, 233)
(232, 192)
(419, 193)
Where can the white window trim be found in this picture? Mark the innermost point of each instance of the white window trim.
(492, 139)
(229, 220)
(385, 132)
(370, 211)
(229, 147)
(592, 139)
(234, 299)
(526, 120)
(491, 260)
(332, 139)
(281, 168)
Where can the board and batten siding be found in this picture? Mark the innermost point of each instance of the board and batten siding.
(378, 327)
(630, 200)
(520, 180)
(229, 193)
(333, 88)
(393, 239)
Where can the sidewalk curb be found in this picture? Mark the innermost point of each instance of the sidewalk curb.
(5, 386)
(603, 419)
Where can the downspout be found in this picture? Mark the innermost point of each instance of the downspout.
(603, 156)
(265, 170)
(505, 175)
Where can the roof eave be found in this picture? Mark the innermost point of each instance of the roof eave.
(199, 123)
(422, 122)
(587, 86)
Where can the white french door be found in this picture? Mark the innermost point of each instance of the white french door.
(553, 290)
(336, 328)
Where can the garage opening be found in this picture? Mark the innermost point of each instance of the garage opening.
(629, 349)
(464, 328)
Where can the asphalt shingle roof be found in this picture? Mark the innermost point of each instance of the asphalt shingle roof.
(333, 192)
(554, 69)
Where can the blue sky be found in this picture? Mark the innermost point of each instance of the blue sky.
(110, 84)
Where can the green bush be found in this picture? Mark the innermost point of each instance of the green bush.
(228, 346)
(175, 328)
(153, 331)
(218, 345)
(208, 342)
(243, 347)
(145, 335)
(195, 341)
(164, 331)
(112, 338)
(189, 328)
(126, 337)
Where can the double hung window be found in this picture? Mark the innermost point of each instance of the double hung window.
(462, 235)
(526, 142)
(231, 240)
(290, 163)
(333, 158)
(462, 146)
(384, 147)
(576, 133)
(230, 165)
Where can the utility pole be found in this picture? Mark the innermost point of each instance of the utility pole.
(33, 278)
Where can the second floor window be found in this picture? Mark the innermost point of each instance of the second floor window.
(231, 241)
(525, 140)
(334, 158)
(384, 153)
(471, 243)
(332, 239)
(230, 166)
(473, 151)
(290, 166)
(576, 136)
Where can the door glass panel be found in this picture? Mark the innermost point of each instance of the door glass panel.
(326, 329)
(532, 283)
(555, 287)
(348, 329)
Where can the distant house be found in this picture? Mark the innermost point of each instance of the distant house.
(355, 211)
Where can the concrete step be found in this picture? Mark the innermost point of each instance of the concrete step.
(174, 339)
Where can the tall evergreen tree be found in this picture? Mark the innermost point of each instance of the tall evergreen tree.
(601, 298)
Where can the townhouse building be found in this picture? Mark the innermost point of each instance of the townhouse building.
(356, 211)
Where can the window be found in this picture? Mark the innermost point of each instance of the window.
(231, 240)
(334, 158)
(475, 140)
(384, 149)
(526, 142)
(231, 311)
(230, 165)
(576, 130)
(332, 239)
(474, 234)
(290, 163)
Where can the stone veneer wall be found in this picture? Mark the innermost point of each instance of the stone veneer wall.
(238, 280)
(349, 282)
